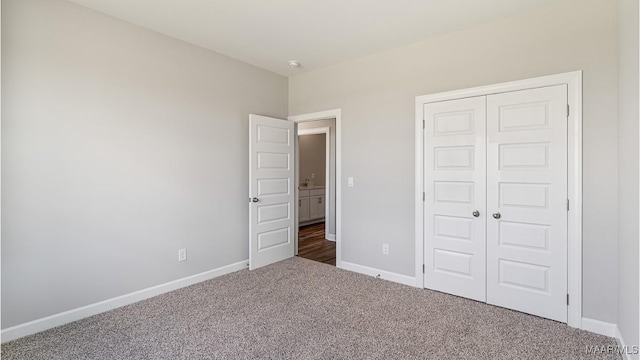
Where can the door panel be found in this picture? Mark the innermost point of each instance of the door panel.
(454, 138)
(271, 186)
(527, 186)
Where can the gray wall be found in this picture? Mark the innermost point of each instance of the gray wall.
(119, 146)
(313, 155)
(628, 171)
(377, 97)
(330, 221)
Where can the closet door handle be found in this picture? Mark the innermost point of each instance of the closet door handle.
(496, 215)
(476, 213)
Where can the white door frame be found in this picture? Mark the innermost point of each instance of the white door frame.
(573, 80)
(327, 168)
(327, 115)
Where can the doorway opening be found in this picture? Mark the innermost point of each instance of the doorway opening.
(315, 191)
(317, 186)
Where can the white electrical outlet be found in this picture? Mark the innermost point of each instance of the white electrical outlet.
(350, 181)
(385, 249)
(182, 255)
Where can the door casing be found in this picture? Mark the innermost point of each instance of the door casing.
(573, 80)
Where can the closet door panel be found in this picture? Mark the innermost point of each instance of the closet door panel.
(455, 156)
(526, 201)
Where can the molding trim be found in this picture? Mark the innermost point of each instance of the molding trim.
(573, 80)
(314, 131)
(385, 275)
(625, 349)
(66, 317)
(599, 327)
(610, 330)
(311, 222)
(331, 237)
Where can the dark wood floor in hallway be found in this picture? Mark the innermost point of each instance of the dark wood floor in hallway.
(313, 246)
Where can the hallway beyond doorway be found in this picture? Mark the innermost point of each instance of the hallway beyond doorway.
(313, 246)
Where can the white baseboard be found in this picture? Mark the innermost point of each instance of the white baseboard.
(310, 222)
(62, 318)
(386, 275)
(599, 327)
(624, 346)
(610, 330)
(331, 237)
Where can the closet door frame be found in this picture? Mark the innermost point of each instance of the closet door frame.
(573, 80)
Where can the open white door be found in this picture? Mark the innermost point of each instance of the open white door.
(271, 190)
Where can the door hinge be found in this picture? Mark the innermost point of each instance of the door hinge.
(567, 204)
(423, 126)
(423, 268)
(424, 197)
(568, 110)
(567, 299)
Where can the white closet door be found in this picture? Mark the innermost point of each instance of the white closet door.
(454, 173)
(527, 201)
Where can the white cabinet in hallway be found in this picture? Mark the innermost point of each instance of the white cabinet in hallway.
(311, 205)
(303, 209)
(316, 206)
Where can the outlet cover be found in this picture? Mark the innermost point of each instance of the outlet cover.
(182, 255)
(385, 249)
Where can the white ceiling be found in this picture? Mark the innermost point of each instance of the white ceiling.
(318, 33)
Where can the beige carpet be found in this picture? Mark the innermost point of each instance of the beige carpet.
(300, 309)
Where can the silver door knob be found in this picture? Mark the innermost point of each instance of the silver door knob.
(255, 199)
(476, 213)
(496, 215)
